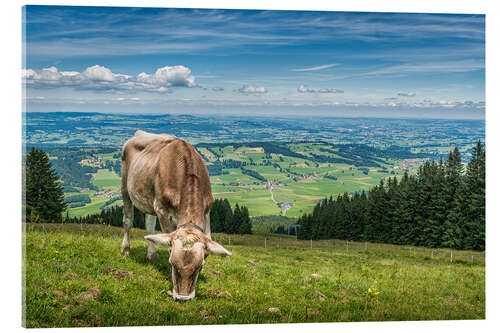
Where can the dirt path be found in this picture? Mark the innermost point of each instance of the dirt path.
(271, 191)
(283, 211)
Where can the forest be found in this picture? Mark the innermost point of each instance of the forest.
(443, 205)
(222, 218)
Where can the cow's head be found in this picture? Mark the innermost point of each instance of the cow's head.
(188, 250)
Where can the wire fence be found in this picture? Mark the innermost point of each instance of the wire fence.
(275, 241)
(286, 242)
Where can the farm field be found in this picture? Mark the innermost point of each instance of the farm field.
(75, 276)
(300, 166)
(269, 178)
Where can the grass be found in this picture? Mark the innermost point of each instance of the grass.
(75, 276)
(106, 179)
(91, 208)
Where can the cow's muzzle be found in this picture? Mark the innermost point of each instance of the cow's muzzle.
(177, 282)
(181, 298)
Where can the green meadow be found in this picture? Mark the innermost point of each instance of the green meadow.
(301, 181)
(75, 276)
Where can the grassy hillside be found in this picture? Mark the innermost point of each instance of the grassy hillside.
(75, 276)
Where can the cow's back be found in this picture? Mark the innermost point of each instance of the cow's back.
(184, 177)
(160, 169)
(139, 167)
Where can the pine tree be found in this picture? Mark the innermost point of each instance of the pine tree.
(216, 216)
(437, 207)
(237, 220)
(246, 226)
(44, 193)
(474, 217)
(455, 195)
(228, 217)
(403, 230)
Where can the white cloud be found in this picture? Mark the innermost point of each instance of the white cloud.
(407, 94)
(98, 73)
(304, 89)
(102, 78)
(252, 89)
(177, 76)
(315, 68)
(330, 91)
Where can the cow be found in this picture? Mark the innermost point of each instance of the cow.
(164, 177)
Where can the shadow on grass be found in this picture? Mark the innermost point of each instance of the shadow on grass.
(138, 254)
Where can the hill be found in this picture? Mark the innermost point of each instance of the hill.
(69, 284)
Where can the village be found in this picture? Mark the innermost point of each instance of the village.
(409, 164)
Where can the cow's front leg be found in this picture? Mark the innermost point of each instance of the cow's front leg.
(150, 230)
(128, 220)
(206, 225)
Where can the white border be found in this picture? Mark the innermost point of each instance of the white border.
(10, 188)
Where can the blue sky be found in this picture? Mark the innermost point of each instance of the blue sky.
(147, 60)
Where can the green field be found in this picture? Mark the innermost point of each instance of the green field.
(75, 277)
(106, 179)
(301, 180)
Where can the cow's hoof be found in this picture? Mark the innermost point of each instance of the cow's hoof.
(125, 250)
(152, 257)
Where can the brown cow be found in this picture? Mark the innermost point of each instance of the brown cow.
(165, 177)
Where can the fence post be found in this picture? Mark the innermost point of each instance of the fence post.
(472, 259)
(265, 242)
(347, 245)
(311, 243)
(279, 243)
(432, 254)
(366, 246)
(451, 256)
(229, 240)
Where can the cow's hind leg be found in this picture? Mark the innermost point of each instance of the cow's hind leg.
(150, 229)
(128, 220)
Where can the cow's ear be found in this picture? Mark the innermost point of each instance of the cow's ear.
(160, 239)
(216, 248)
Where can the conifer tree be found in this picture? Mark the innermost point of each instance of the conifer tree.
(474, 217)
(237, 220)
(44, 193)
(216, 217)
(228, 217)
(246, 226)
(455, 195)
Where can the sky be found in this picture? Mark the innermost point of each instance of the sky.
(189, 61)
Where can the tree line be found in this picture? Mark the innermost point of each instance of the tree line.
(226, 220)
(443, 205)
(44, 201)
(223, 219)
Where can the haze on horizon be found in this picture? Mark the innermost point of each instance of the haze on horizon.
(193, 61)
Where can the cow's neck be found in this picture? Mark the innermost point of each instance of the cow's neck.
(188, 217)
(191, 205)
